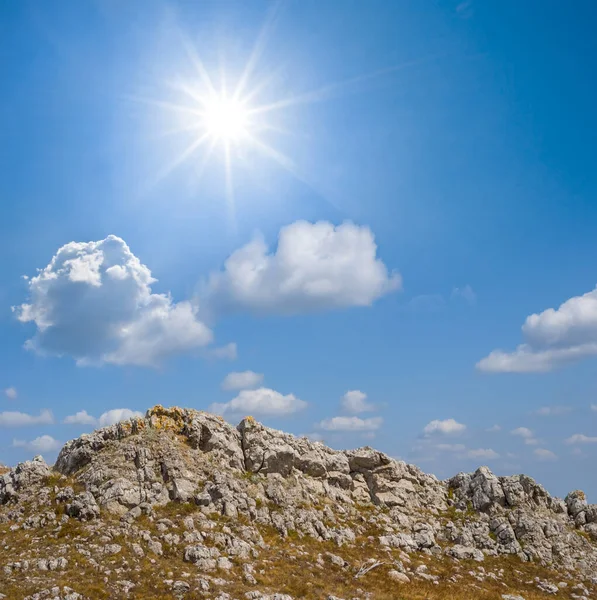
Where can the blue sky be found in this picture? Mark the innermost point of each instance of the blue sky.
(401, 252)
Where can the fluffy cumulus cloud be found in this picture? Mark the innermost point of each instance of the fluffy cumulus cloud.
(544, 454)
(351, 424)
(446, 427)
(316, 266)
(11, 393)
(20, 419)
(581, 438)
(116, 415)
(260, 402)
(44, 443)
(553, 338)
(94, 302)
(80, 418)
(242, 380)
(355, 402)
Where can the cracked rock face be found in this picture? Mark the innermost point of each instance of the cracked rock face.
(257, 476)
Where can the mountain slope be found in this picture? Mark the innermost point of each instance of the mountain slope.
(180, 504)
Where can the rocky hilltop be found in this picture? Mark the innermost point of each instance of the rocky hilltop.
(181, 504)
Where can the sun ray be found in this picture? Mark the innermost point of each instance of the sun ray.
(182, 157)
(229, 186)
(225, 115)
(257, 49)
(167, 105)
(257, 88)
(198, 64)
(206, 158)
(291, 167)
(327, 91)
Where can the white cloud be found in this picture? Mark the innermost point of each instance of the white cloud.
(260, 402)
(522, 432)
(594, 407)
(315, 267)
(553, 411)
(526, 434)
(355, 402)
(94, 302)
(448, 427)
(483, 454)
(227, 352)
(116, 415)
(465, 293)
(351, 424)
(494, 429)
(80, 418)
(544, 454)
(19, 419)
(44, 443)
(553, 338)
(580, 438)
(11, 393)
(242, 380)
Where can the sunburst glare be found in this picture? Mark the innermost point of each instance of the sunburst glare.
(226, 124)
(226, 119)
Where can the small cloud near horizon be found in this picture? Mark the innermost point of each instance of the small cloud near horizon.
(11, 393)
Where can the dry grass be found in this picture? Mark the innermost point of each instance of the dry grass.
(288, 565)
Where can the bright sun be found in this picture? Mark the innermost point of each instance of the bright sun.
(225, 119)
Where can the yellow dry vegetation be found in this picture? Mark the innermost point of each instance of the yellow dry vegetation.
(296, 564)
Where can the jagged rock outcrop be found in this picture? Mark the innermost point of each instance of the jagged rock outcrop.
(115, 483)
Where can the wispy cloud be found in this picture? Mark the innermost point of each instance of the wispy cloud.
(19, 419)
(483, 454)
(581, 438)
(227, 352)
(11, 393)
(451, 447)
(553, 411)
(447, 427)
(351, 424)
(465, 9)
(544, 454)
(465, 293)
(526, 434)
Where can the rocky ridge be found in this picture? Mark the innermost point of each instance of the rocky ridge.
(182, 504)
